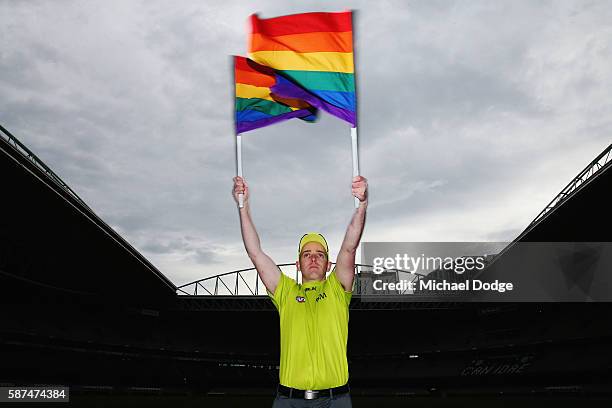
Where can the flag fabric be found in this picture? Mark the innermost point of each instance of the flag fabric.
(313, 53)
(256, 106)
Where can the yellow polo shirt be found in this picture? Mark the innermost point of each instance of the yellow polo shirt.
(314, 331)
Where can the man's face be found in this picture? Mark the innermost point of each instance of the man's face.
(313, 262)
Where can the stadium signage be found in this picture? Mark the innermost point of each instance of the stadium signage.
(505, 366)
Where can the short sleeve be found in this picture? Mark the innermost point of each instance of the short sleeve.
(280, 294)
(338, 288)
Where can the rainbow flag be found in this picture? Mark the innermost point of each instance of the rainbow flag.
(313, 51)
(256, 106)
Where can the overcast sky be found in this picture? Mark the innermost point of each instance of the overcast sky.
(473, 116)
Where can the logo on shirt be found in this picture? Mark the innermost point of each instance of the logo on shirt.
(308, 289)
(321, 296)
(300, 299)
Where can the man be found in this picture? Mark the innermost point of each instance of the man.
(314, 314)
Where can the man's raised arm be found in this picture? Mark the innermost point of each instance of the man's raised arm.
(345, 264)
(266, 267)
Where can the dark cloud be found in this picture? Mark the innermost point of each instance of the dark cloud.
(206, 256)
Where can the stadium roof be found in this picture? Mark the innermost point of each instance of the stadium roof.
(50, 238)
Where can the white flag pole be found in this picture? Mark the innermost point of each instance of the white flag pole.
(239, 165)
(355, 158)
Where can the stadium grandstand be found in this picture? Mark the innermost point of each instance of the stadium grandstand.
(82, 308)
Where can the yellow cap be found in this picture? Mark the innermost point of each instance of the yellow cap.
(313, 237)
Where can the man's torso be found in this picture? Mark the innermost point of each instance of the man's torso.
(314, 333)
